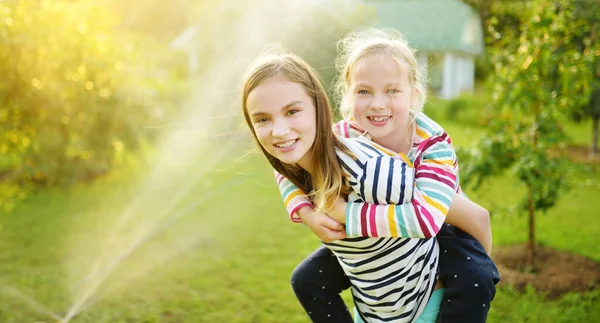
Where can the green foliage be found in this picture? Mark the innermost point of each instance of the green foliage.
(502, 19)
(471, 109)
(592, 109)
(75, 94)
(539, 75)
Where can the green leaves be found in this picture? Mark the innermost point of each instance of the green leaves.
(540, 74)
(73, 86)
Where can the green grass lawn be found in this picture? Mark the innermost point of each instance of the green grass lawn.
(230, 255)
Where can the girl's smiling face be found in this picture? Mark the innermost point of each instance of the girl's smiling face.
(381, 96)
(283, 117)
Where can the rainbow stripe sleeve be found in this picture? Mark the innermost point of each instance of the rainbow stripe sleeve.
(293, 197)
(435, 182)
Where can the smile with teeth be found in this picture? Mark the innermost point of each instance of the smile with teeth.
(379, 119)
(286, 144)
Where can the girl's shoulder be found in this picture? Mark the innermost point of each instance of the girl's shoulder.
(363, 148)
(427, 127)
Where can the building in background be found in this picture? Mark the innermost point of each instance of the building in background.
(447, 34)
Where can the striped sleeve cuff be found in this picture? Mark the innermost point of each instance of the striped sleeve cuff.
(293, 210)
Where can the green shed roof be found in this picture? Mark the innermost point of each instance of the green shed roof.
(432, 25)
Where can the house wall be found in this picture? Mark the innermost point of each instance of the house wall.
(458, 75)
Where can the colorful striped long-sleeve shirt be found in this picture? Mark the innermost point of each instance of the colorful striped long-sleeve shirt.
(433, 161)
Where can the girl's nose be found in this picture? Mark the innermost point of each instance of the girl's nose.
(380, 102)
(280, 129)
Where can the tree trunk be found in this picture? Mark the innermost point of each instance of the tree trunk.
(594, 146)
(531, 238)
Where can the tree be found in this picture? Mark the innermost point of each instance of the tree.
(539, 76)
(75, 95)
(499, 17)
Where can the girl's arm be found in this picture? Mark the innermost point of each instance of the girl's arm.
(301, 210)
(472, 219)
(435, 183)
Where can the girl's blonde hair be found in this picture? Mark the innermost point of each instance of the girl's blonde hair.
(326, 181)
(364, 43)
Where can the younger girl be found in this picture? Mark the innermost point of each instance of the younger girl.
(288, 112)
(383, 93)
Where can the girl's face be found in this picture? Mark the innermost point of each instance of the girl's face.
(381, 96)
(284, 119)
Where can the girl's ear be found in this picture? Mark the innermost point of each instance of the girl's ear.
(414, 97)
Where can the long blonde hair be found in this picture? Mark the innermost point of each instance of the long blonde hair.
(364, 43)
(326, 181)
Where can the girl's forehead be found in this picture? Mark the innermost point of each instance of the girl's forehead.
(378, 65)
(275, 93)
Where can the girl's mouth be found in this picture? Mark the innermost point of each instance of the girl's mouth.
(286, 144)
(379, 121)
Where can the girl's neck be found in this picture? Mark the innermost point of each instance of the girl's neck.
(306, 163)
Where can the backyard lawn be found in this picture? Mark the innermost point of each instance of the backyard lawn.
(224, 250)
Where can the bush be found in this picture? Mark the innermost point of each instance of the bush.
(467, 109)
(76, 94)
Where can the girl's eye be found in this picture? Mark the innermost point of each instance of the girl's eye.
(260, 120)
(363, 92)
(393, 91)
(293, 111)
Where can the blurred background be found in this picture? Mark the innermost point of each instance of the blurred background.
(131, 190)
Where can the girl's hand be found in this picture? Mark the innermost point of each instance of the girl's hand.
(324, 227)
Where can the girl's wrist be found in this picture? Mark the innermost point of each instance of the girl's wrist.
(305, 213)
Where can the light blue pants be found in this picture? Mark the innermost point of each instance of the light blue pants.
(429, 313)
